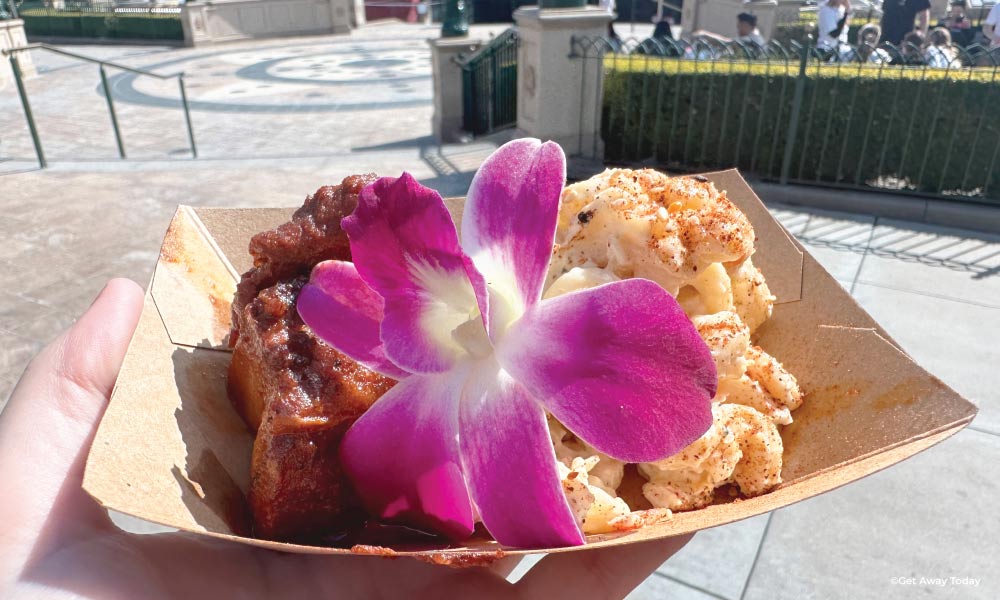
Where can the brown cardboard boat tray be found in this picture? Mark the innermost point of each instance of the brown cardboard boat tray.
(172, 450)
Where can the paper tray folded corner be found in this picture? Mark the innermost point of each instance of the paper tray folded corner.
(171, 449)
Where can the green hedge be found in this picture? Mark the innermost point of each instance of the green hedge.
(41, 22)
(923, 130)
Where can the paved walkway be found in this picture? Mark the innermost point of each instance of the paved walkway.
(302, 97)
(69, 228)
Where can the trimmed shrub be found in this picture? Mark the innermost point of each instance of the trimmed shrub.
(930, 131)
(65, 23)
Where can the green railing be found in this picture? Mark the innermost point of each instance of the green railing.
(850, 120)
(101, 21)
(489, 86)
(12, 53)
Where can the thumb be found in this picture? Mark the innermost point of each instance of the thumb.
(50, 420)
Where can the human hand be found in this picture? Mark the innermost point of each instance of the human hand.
(57, 542)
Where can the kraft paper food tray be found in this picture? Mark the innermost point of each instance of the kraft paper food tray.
(172, 450)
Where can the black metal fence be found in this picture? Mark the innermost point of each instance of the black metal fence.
(860, 117)
(489, 86)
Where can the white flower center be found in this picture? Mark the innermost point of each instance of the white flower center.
(471, 336)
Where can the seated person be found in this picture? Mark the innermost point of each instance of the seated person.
(660, 43)
(614, 41)
(939, 52)
(957, 24)
(746, 30)
(662, 30)
(747, 35)
(911, 50)
(867, 50)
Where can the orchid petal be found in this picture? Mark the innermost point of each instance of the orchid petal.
(509, 224)
(620, 365)
(403, 456)
(510, 464)
(405, 246)
(345, 313)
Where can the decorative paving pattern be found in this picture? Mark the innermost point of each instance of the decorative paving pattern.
(315, 96)
(355, 75)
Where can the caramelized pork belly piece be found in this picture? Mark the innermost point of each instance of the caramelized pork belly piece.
(299, 394)
(293, 248)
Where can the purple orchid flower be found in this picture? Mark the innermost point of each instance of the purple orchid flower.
(480, 357)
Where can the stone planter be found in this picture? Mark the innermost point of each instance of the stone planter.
(12, 36)
(227, 20)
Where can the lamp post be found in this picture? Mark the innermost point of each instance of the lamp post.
(455, 22)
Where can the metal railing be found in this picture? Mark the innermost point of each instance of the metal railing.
(860, 117)
(11, 54)
(489, 85)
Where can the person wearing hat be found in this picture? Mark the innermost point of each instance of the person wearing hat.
(746, 30)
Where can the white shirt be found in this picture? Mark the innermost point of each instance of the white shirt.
(608, 5)
(994, 19)
(753, 38)
(828, 17)
(940, 58)
(877, 57)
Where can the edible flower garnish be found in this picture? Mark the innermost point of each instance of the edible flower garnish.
(480, 357)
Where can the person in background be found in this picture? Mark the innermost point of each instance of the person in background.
(898, 17)
(746, 30)
(662, 30)
(867, 50)
(609, 7)
(990, 26)
(911, 50)
(957, 24)
(614, 41)
(747, 34)
(832, 24)
(660, 43)
(423, 15)
(939, 52)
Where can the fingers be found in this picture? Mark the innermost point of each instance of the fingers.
(50, 420)
(89, 355)
(601, 573)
